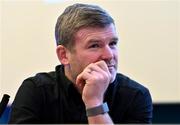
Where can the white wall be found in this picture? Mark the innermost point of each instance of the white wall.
(149, 33)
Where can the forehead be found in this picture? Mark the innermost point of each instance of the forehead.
(96, 33)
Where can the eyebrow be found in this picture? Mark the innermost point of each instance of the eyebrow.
(97, 40)
(93, 41)
(115, 39)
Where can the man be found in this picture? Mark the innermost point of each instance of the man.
(86, 88)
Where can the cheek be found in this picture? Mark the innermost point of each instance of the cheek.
(89, 57)
(116, 54)
(116, 57)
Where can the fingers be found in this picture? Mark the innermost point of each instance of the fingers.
(94, 69)
(102, 65)
(82, 77)
(93, 73)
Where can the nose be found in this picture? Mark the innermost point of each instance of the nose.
(107, 53)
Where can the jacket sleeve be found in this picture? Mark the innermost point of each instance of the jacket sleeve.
(27, 104)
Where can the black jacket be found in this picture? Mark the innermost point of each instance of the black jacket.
(52, 98)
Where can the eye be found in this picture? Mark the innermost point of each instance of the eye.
(113, 43)
(94, 46)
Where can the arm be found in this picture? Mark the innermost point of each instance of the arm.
(27, 104)
(92, 83)
(140, 110)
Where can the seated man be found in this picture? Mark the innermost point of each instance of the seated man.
(86, 87)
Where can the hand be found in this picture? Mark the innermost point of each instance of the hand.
(93, 82)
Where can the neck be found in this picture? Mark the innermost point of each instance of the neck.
(71, 78)
(68, 74)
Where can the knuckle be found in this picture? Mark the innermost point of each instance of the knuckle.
(106, 75)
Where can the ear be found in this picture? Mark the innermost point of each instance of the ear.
(62, 53)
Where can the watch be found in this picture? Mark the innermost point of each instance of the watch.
(101, 109)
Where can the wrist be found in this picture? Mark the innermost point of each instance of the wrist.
(97, 110)
(92, 103)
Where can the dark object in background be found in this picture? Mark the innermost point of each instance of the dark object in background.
(166, 113)
(4, 103)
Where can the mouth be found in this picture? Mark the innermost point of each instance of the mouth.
(111, 67)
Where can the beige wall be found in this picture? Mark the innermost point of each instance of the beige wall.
(0, 53)
(149, 42)
(179, 46)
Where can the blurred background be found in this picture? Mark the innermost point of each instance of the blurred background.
(149, 46)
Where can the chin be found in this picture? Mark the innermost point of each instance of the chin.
(113, 77)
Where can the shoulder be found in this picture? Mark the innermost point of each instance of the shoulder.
(41, 79)
(134, 98)
(39, 86)
(132, 92)
(33, 97)
(128, 84)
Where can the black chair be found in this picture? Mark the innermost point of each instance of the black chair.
(4, 103)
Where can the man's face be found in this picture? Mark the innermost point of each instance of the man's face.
(92, 45)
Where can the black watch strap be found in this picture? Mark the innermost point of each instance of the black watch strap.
(101, 109)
